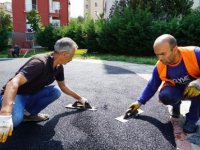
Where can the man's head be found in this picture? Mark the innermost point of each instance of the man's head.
(165, 48)
(64, 49)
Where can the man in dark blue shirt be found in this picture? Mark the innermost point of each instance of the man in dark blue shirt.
(177, 68)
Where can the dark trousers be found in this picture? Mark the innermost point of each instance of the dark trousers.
(15, 54)
(172, 95)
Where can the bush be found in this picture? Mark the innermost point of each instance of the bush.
(189, 29)
(5, 28)
(74, 31)
(128, 33)
(47, 37)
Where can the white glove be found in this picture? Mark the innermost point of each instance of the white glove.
(6, 127)
(83, 100)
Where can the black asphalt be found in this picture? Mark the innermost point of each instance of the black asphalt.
(111, 89)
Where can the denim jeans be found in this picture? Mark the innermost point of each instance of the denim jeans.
(172, 95)
(33, 103)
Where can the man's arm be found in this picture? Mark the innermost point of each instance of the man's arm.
(6, 124)
(151, 87)
(10, 93)
(147, 93)
(67, 90)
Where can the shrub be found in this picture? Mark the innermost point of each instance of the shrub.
(47, 37)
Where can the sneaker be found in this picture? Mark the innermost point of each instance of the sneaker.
(175, 112)
(36, 118)
(189, 126)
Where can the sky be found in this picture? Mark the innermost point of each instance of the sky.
(76, 7)
(1, 1)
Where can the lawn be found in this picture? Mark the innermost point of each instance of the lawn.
(82, 54)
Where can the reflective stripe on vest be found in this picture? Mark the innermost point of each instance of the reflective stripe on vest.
(190, 61)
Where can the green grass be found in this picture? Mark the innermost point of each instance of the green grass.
(131, 59)
(79, 54)
(32, 52)
(4, 54)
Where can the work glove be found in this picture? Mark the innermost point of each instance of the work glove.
(193, 89)
(83, 101)
(132, 110)
(6, 127)
(135, 106)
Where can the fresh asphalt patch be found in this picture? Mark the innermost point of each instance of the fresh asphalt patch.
(109, 87)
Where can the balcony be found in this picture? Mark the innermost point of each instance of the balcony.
(55, 13)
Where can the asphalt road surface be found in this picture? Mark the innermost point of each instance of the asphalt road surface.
(111, 88)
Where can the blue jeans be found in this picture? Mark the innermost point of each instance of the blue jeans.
(33, 103)
(172, 95)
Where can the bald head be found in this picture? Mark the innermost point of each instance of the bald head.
(165, 38)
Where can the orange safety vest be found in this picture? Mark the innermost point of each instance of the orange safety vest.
(190, 61)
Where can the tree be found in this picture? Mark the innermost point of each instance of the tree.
(161, 9)
(34, 20)
(5, 28)
(176, 8)
(47, 37)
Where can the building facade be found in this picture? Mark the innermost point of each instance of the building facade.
(107, 6)
(7, 8)
(93, 8)
(53, 12)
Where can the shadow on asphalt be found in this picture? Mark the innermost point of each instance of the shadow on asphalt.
(163, 127)
(117, 70)
(32, 135)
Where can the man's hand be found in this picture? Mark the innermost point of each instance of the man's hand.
(83, 100)
(6, 127)
(193, 89)
(132, 110)
(135, 105)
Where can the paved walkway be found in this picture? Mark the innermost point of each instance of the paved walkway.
(145, 71)
(56, 134)
(111, 87)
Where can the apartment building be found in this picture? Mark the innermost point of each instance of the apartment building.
(53, 12)
(93, 8)
(107, 6)
(6, 7)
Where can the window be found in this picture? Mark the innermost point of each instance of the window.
(54, 6)
(55, 22)
(28, 28)
(34, 4)
(31, 4)
(86, 6)
(95, 4)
